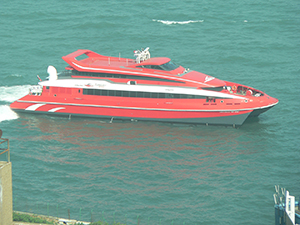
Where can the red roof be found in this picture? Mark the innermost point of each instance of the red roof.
(156, 61)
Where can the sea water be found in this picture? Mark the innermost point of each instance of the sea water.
(154, 173)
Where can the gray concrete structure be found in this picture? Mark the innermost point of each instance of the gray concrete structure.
(6, 206)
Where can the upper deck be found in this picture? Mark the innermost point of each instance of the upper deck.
(142, 66)
(94, 62)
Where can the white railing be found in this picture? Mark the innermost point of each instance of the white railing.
(36, 90)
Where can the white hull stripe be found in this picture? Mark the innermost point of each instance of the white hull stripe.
(158, 109)
(34, 107)
(56, 109)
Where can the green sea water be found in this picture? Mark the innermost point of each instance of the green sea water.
(154, 173)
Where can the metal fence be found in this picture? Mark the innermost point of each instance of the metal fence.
(4, 149)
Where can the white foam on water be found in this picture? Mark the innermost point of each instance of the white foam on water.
(7, 114)
(168, 22)
(16, 75)
(11, 94)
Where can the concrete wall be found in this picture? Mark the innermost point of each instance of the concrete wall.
(6, 207)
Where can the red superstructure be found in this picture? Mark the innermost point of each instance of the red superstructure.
(141, 89)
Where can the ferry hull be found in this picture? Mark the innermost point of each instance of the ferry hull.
(233, 117)
(257, 112)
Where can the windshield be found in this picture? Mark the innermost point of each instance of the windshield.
(169, 66)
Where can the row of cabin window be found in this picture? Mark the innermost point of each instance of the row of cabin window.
(139, 94)
(135, 77)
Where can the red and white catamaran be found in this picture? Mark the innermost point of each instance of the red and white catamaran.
(153, 89)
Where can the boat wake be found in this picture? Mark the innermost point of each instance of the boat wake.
(7, 96)
(168, 22)
(7, 114)
(11, 94)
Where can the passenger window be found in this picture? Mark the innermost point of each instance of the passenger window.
(131, 82)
